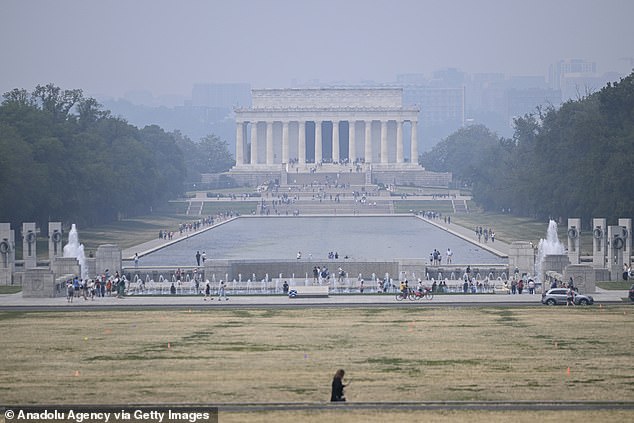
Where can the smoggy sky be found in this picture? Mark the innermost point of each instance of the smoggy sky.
(110, 47)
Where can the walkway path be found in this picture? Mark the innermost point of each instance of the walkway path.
(9, 301)
(498, 247)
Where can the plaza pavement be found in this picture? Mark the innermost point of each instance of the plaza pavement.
(9, 301)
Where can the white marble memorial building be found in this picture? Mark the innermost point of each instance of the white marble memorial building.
(320, 130)
(329, 125)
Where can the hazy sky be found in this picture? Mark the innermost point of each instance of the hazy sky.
(110, 47)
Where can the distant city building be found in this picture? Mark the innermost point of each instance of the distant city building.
(441, 101)
(577, 78)
(570, 68)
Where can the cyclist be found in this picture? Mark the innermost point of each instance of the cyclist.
(420, 286)
(404, 288)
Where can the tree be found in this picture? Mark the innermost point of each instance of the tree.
(62, 157)
(210, 155)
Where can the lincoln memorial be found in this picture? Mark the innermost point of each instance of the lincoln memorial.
(318, 130)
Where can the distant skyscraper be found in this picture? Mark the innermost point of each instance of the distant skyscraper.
(570, 68)
(441, 101)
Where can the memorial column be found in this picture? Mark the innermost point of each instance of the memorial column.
(239, 143)
(414, 158)
(301, 147)
(368, 141)
(384, 149)
(318, 143)
(269, 143)
(254, 143)
(285, 149)
(399, 141)
(335, 141)
(352, 150)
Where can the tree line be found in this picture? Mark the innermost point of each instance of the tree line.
(64, 158)
(574, 161)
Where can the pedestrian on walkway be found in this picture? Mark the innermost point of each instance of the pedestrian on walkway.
(337, 394)
(222, 291)
(570, 296)
(207, 291)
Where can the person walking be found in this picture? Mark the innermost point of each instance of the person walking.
(198, 258)
(570, 296)
(337, 394)
(222, 291)
(207, 291)
(70, 291)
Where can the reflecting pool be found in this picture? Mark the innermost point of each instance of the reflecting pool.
(357, 237)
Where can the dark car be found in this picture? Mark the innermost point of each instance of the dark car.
(558, 296)
(632, 292)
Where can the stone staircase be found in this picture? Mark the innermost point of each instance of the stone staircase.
(460, 206)
(195, 208)
(303, 207)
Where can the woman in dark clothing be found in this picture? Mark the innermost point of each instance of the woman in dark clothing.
(337, 387)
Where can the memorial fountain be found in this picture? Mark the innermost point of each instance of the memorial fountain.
(547, 249)
(76, 250)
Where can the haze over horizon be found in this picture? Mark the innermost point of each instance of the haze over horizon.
(165, 47)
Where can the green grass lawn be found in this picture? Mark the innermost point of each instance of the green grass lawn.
(9, 289)
(616, 285)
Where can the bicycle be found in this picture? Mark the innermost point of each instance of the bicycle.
(418, 295)
(402, 295)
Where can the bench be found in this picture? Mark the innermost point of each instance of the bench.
(307, 291)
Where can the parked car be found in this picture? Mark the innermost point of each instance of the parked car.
(558, 296)
(632, 292)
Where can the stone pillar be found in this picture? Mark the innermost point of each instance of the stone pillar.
(616, 243)
(319, 154)
(522, 256)
(553, 263)
(352, 147)
(29, 251)
(384, 148)
(599, 242)
(335, 141)
(301, 147)
(285, 148)
(254, 143)
(108, 257)
(399, 141)
(368, 141)
(7, 254)
(239, 144)
(414, 143)
(55, 247)
(574, 235)
(66, 266)
(40, 283)
(270, 155)
(627, 233)
(583, 276)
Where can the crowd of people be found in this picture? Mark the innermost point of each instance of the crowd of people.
(104, 285)
(485, 234)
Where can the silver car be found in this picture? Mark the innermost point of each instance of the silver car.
(559, 296)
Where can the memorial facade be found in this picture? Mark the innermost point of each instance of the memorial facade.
(307, 127)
